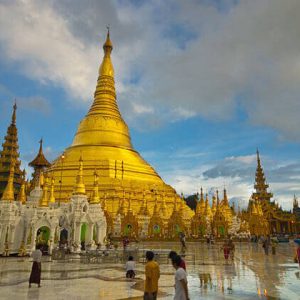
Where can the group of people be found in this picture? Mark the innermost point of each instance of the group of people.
(152, 271)
(152, 274)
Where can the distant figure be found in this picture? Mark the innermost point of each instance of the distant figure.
(181, 288)
(266, 244)
(35, 275)
(273, 245)
(130, 267)
(226, 250)
(182, 240)
(152, 275)
(298, 254)
(182, 263)
(208, 240)
(125, 242)
(231, 249)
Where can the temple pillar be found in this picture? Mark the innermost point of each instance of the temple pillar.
(76, 236)
(51, 240)
(11, 237)
(33, 240)
(90, 233)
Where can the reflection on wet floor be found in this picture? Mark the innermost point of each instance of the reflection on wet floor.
(252, 275)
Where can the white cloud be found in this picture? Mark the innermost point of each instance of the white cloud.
(185, 58)
(142, 109)
(37, 39)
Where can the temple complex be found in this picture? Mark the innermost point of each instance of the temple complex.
(101, 189)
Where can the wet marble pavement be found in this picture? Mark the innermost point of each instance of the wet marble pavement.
(252, 275)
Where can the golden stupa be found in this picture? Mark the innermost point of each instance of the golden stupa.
(103, 142)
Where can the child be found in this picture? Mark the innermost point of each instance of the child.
(130, 267)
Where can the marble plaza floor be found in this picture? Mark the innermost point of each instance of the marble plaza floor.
(252, 275)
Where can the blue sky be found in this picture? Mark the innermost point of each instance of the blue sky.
(201, 84)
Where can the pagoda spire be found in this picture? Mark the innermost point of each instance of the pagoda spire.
(214, 204)
(14, 114)
(295, 202)
(95, 197)
(79, 187)
(52, 197)
(208, 211)
(39, 164)
(218, 199)
(22, 193)
(8, 193)
(104, 105)
(44, 202)
(225, 197)
(10, 152)
(260, 186)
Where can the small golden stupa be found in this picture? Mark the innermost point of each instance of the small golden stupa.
(103, 143)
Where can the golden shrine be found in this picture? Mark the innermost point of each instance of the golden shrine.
(263, 215)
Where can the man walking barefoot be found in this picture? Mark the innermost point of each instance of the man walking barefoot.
(35, 275)
(152, 274)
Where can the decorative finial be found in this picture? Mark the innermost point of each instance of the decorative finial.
(107, 47)
(257, 155)
(45, 200)
(22, 194)
(41, 145)
(79, 187)
(14, 117)
(95, 197)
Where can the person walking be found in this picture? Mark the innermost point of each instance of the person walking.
(297, 255)
(35, 275)
(130, 267)
(266, 244)
(231, 249)
(226, 250)
(181, 287)
(182, 240)
(274, 245)
(152, 274)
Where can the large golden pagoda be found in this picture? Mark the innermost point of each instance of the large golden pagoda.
(103, 142)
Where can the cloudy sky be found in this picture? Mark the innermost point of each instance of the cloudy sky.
(201, 84)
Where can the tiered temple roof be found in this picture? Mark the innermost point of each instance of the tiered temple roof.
(261, 187)
(10, 153)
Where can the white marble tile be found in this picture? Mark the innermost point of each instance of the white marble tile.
(250, 276)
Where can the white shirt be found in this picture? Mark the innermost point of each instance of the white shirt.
(36, 255)
(130, 265)
(180, 274)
